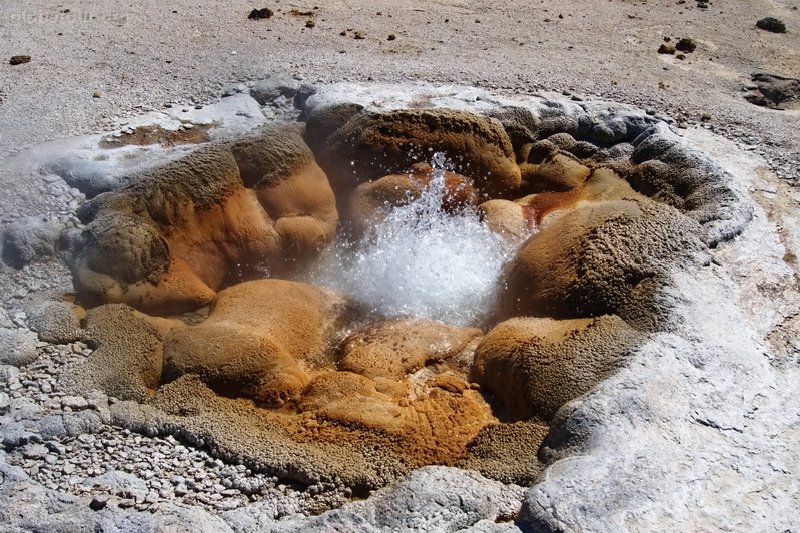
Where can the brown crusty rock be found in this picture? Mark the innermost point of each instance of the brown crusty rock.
(560, 171)
(260, 340)
(128, 356)
(227, 212)
(536, 365)
(504, 217)
(429, 422)
(507, 452)
(370, 145)
(395, 348)
(587, 261)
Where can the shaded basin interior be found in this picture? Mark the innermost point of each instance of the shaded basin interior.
(215, 313)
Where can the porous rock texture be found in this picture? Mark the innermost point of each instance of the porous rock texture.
(272, 342)
(536, 365)
(599, 258)
(369, 145)
(396, 348)
(223, 214)
(56, 322)
(604, 286)
(260, 340)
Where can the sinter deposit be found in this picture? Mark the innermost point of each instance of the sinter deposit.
(338, 301)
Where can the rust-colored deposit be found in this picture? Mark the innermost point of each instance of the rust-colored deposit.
(290, 378)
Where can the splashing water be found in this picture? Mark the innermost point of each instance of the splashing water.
(422, 261)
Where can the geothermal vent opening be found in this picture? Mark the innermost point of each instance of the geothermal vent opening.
(433, 257)
(417, 309)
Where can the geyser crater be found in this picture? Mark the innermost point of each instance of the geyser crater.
(315, 375)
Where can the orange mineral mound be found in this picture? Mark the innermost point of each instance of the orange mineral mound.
(199, 328)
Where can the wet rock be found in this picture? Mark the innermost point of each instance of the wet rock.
(771, 24)
(263, 356)
(395, 348)
(371, 145)
(19, 60)
(30, 238)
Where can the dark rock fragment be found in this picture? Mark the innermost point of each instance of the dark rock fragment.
(18, 60)
(771, 24)
(258, 14)
(686, 45)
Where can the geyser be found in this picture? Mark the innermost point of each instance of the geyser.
(430, 258)
(425, 322)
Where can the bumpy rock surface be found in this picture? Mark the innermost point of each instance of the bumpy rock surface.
(598, 258)
(259, 342)
(536, 365)
(430, 499)
(396, 348)
(220, 215)
(370, 145)
(56, 322)
(269, 380)
(29, 239)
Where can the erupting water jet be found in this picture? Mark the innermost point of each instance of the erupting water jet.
(422, 259)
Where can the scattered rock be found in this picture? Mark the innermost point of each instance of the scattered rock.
(5, 403)
(98, 502)
(391, 37)
(258, 14)
(685, 44)
(310, 23)
(34, 451)
(120, 484)
(19, 60)
(266, 91)
(666, 49)
(771, 24)
(76, 403)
